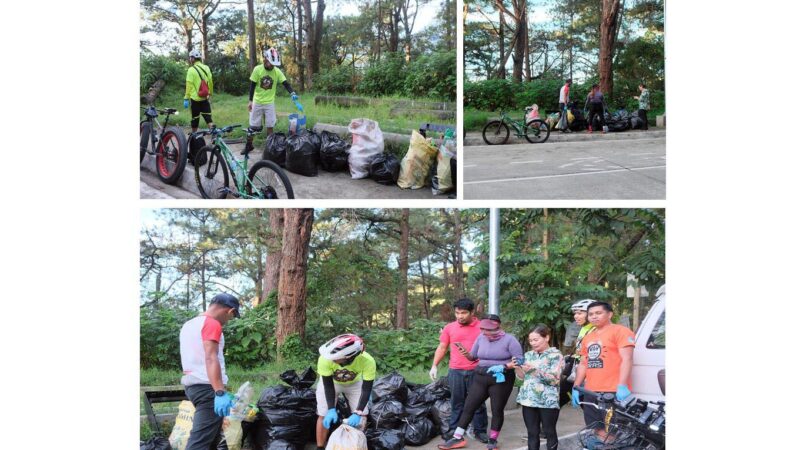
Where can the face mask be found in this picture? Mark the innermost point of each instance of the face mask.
(494, 334)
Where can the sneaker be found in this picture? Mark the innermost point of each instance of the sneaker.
(483, 437)
(492, 444)
(453, 443)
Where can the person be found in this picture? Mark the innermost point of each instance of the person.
(462, 332)
(195, 76)
(644, 103)
(597, 106)
(563, 102)
(497, 353)
(539, 394)
(606, 362)
(580, 314)
(343, 367)
(202, 347)
(264, 82)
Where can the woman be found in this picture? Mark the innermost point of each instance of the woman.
(497, 353)
(538, 396)
(580, 314)
(596, 105)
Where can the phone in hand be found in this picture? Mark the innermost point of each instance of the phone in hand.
(460, 346)
(520, 361)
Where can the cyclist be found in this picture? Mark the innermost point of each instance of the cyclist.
(606, 361)
(579, 313)
(461, 332)
(344, 367)
(263, 85)
(198, 81)
(202, 358)
(497, 353)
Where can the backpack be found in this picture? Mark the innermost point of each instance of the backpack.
(202, 91)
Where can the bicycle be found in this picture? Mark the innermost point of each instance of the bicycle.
(168, 144)
(630, 424)
(265, 180)
(536, 131)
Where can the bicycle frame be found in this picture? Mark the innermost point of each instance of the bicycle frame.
(237, 168)
(156, 132)
(519, 128)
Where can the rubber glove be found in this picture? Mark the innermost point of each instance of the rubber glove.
(622, 392)
(354, 420)
(294, 96)
(185, 103)
(330, 418)
(434, 373)
(498, 368)
(499, 377)
(576, 397)
(222, 404)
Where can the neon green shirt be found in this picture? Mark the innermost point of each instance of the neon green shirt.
(193, 81)
(266, 82)
(363, 366)
(586, 329)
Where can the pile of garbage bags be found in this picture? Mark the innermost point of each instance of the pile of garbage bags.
(287, 414)
(404, 413)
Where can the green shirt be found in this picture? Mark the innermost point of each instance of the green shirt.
(266, 82)
(193, 77)
(363, 366)
(644, 100)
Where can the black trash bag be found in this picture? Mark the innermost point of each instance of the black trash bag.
(392, 386)
(440, 414)
(333, 152)
(384, 168)
(579, 123)
(301, 157)
(283, 405)
(387, 413)
(196, 143)
(303, 381)
(419, 403)
(258, 434)
(316, 141)
(275, 149)
(155, 443)
(278, 444)
(438, 389)
(293, 433)
(343, 407)
(385, 439)
(636, 123)
(419, 431)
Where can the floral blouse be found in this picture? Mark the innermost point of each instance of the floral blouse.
(540, 386)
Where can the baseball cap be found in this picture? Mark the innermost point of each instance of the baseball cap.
(227, 300)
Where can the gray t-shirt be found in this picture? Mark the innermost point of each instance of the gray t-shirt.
(498, 352)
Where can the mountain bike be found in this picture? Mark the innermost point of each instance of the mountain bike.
(214, 166)
(631, 424)
(167, 143)
(536, 131)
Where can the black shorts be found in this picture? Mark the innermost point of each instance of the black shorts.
(202, 107)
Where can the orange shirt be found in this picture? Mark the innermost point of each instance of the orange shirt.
(600, 356)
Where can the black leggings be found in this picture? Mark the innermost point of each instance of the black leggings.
(543, 419)
(483, 386)
(596, 109)
(202, 107)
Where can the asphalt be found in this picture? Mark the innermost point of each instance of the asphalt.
(579, 166)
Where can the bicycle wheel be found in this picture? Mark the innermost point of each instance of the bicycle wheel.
(144, 139)
(267, 180)
(495, 132)
(211, 173)
(171, 155)
(537, 131)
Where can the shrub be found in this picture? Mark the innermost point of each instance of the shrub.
(158, 336)
(385, 77)
(489, 95)
(231, 74)
(338, 80)
(432, 75)
(154, 67)
(403, 349)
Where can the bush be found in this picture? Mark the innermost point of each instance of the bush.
(432, 75)
(154, 67)
(250, 339)
(385, 77)
(231, 74)
(158, 337)
(489, 95)
(338, 80)
(403, 349)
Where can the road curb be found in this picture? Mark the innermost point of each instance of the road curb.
(474, 138)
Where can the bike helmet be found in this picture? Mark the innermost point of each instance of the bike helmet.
(272, 56)
(582, 305)
(195, 54)
(344, 346)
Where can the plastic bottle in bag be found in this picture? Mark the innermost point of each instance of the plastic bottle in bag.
(242, 408)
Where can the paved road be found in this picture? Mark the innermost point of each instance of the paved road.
(595, 169)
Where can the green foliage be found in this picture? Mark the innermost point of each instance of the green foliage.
(401, 350)
(295, 351)
(250, 339)
(489, 95)
(432, 75)
(231, 73)
(154, 67)
(158, 336)
(336, 80)
(385, 77)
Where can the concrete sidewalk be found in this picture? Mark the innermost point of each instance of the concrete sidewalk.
(476, 137)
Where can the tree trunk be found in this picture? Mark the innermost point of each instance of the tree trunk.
(152, 93)
(608, 37)
(520, 14)
(309, 28)
(318, 22)
(425, 301)
(301, 67)
(274, 244)
(203, 278)
(444, 309)
(292, 284)
(251, 35)
(402, 290)
(458, 264)
(546, 236)
(637, 295)
(501, 71)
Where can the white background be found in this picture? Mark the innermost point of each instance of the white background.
(70, 223)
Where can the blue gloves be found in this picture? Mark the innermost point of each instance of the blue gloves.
(576, 398)
(354, 420)
(222, 404)
(330, 418)
(496, 369)
(185, 103)
(622, 392)
(294, 96)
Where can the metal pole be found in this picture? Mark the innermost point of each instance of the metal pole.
(494, 247)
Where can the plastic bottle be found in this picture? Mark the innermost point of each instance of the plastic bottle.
(242, 408)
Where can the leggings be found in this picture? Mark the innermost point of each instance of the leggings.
(543, 419)
(483, 386)
(596, 109)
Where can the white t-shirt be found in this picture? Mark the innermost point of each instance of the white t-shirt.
(193, 356)
(563, 94)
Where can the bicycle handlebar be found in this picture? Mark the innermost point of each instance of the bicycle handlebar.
(216, 131)
(165, 111)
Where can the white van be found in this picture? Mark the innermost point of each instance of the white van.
(648, 376)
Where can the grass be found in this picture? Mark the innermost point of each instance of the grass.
(475, 120)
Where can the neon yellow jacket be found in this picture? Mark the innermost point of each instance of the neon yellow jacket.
(584, 331)
(193, 81)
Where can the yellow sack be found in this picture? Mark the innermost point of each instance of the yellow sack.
(183, 426)
(416, 165)
(232, 433)
(570, 116)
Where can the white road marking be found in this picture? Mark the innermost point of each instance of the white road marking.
(526, 162)
(470, 165)
(503, 180)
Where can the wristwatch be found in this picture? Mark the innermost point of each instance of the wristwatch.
(219, 393)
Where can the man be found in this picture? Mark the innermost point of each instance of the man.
(198, 81)
(204, 377)
(606, 361)
(343, 367)
(563, 101)
(461, 333)
(264, 82)
(644, 103)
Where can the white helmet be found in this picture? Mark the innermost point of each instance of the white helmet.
(344, 346)
(272, 56)
(582, 305)
(194, 54)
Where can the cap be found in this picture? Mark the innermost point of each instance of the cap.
(227, 300)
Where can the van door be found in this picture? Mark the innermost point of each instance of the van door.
(648, 374)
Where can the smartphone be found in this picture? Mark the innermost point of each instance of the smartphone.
(520, 360)
(460, 347)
